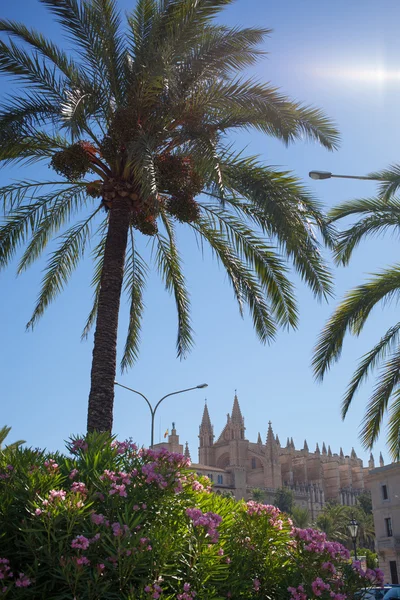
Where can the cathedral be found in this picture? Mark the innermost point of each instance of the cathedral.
(238, 466)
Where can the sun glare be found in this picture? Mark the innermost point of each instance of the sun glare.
(368, 75)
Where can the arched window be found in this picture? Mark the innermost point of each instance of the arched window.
(253, 463)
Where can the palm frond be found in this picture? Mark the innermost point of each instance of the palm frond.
(393, 427)
(43, 46)
(61, 264)
(351, 315)
(387, 383)
(14, 194)
(29, 68)
(170, 268)
(244, 282)
(23, 221)
(368, 363)
(56, 215)
(263, 259)
(390, 181)
(380, 215)
(135, 280)
(284, 211)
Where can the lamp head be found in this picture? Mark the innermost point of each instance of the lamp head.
(202, 385)
(353, 529)
(320, 174)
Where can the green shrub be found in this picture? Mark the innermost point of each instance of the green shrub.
(111, 521)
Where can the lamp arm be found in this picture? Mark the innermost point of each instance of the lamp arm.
(140, 394)
(173, 394)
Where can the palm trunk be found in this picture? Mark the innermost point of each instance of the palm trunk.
(104, 362)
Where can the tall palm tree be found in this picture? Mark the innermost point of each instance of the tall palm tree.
(375, 215)
(135, 122)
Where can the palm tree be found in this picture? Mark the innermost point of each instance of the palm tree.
(4, 431)
(300, 517)
(135, 124)
(375, 215)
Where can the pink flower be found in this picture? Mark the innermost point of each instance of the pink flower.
(50, 465)
(23, 581)
(120, 489)
(79, 444)
(256, 585)
(56, 495)
(97, 519)
(220, 552)
(82, 560)
(79, 488)
(80, 542)
(38, 512)
(73, 473)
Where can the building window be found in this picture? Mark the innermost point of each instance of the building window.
(220, 479)
(394, 576)
(389, 530)
(385, 492)
(210, 476)
(253, 463)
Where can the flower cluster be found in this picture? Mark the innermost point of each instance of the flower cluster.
(50, 465)
(5, 570)
(6, 574)
(209, 521)
(318, 586)
(77, 445)
(375, 576)
(315, 541)
(298, 593)
(79, 488)
(187, 594)
(124, 447)
(154, 589)
(255, 508)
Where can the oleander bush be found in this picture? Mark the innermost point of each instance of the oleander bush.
(112, 521)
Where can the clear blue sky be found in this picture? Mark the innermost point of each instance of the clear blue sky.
(343, 57)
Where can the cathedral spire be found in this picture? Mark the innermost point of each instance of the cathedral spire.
(259, 440)
(236, 416)
(206, 421)
(341, 452)
(288, 443)
(292, 444)
(323, 448)
(270, 435)
(187, 452)
(371, 462)
(305, 447)
(206, 431)
(277, 441)
(353, 453)
(329, 451)
(317, 450)
(381, 463)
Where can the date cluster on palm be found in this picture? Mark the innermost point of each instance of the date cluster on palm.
(178, 182)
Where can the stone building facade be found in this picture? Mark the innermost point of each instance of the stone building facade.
(384, 484)
(235, 464)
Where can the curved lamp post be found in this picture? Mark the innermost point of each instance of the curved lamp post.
(328, 175)
(153, 410)
(352, 526)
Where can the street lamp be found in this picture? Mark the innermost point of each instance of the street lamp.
(154, 410)
(352, 526)
(328, 175)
